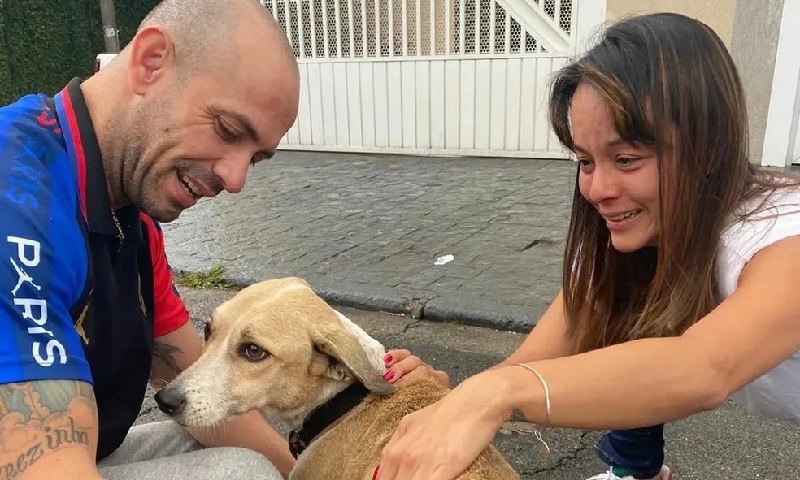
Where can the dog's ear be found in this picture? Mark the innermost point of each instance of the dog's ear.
(346, 352)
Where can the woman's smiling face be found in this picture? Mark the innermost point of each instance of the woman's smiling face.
(618, 178)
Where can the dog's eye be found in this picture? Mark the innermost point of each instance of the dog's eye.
(253, 352)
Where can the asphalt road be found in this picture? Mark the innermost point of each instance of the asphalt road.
(725, 444)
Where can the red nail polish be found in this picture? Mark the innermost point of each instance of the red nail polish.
(388, 375)
(375, 473)
(387, 358)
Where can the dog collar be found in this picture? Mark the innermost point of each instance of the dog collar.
(325, 415)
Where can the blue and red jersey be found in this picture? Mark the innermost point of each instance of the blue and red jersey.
(78, 300)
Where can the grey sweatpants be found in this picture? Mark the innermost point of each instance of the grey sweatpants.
(164, 451)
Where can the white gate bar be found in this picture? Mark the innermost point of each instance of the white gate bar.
(461, 28)
(533, 18)
(339, 36)
(434, 38)
(418, 18)
(325, 38)
(492, 25)
(404, 31)
(351, 27)
(351, 23)
(508, 31)
(301, 29)
(447, 29)
(390, 4)
(378, 28)
(312, 18)
(477, 26)
(364, 26)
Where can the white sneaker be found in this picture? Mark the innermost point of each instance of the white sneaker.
(664, 474)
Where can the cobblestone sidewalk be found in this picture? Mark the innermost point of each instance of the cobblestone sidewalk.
(365, 231)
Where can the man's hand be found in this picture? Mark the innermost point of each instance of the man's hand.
(48, 429)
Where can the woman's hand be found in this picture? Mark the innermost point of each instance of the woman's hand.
(440, 441)
(405, 367)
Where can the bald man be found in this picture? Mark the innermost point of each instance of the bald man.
(88, 310)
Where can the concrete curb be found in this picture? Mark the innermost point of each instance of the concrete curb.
(457, 308)
(482, 313)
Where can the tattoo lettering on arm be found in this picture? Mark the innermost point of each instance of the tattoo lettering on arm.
(42, 417)
(165, 363)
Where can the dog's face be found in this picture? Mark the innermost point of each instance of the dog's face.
(276, 347)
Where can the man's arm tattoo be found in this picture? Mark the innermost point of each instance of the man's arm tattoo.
(37, 418)
(166, 353)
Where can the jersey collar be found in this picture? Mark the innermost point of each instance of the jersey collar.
(84, 151)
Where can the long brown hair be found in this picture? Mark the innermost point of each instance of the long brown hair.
(670, 83)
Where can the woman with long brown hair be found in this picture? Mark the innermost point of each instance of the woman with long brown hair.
(680, 267)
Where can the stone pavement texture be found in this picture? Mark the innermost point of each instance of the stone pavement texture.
(726, 444)
(365, 231)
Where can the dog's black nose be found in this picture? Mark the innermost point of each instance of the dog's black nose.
(170, 401)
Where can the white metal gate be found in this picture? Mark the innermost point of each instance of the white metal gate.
(433, 77)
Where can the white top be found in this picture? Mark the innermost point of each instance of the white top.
(777, 393)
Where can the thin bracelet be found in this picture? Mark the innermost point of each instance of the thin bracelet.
(537, 433)
(546, 390)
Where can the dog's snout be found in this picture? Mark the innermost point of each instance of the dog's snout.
(170, 401)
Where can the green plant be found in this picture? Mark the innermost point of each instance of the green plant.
(213, 278)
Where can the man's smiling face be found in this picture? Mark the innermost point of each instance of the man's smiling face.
(192, 136)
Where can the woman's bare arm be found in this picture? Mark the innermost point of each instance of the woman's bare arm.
(662, 379)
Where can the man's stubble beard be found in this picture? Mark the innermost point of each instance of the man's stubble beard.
(141, 154)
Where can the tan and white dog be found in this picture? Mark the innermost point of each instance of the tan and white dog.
(279, 348)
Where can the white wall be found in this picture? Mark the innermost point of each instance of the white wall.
(781, 146)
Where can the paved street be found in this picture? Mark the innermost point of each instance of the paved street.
(727, 444)
(365, 231)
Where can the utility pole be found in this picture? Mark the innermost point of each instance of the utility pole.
(110, 33)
